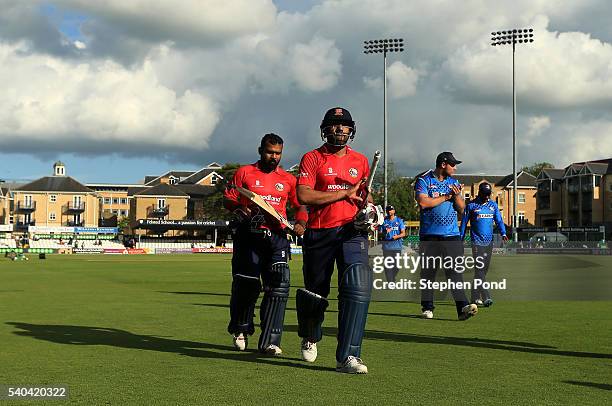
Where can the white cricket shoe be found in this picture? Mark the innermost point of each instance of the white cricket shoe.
(468, 311)
(427, 314)
(309, 350)
(240, 341)
(352, 365)
(478, 302)
(273, 350)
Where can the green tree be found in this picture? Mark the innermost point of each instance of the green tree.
(213, 204)
(123, 224)
(537, 167)
(400, 192)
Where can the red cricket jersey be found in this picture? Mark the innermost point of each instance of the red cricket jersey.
(326, 172)
(276, 187)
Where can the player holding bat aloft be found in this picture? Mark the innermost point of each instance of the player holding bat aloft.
(332, 182)
(261, 247)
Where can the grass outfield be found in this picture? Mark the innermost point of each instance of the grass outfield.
(152, 330)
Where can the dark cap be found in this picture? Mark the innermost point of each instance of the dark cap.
(389, 207)
(485, 189)
(446, 157)
(337, 115)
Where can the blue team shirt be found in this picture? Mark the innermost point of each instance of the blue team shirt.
(442, 219)
(482, 215)
(396, 225)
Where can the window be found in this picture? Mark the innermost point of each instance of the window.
(52, 216)
(53, 198)
(115, 200)
(521, 199)
(12, 219)
(115, 212)
(161, 203)
(124, 200)
(172, 180)
(107, 200)
(214, 180)
(466, 195)
(521, 217)
(124, 213)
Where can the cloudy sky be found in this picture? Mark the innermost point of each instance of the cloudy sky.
(125, 88)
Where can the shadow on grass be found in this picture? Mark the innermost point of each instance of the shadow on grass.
(603, 386)
(85, 335)
(409, 316)
(329, 298)
(518, 346)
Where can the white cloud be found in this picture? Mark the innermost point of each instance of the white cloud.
(535, 127)
(402, 80)
(171, 75)
(315, 66)
(557, 71)
(68, 104)
(194, 21)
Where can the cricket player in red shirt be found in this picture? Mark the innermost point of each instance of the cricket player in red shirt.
(261, 248)
(332, 183)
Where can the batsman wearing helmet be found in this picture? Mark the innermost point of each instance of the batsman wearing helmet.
(482, 213)
(331, 182)
(261, 247)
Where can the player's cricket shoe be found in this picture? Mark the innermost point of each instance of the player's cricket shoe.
(478, 302)
(427, 314)
(352, 365)
(468, 311)
(309, 350)
(488, 303)
(240, 341)
(273, 350)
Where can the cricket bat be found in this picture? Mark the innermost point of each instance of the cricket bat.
(373, 167)
(259, 201)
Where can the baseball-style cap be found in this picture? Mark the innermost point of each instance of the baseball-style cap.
(389, 207)
(485, 189)
(447, 157)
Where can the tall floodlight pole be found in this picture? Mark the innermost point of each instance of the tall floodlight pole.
(512, 37)
(375, 47)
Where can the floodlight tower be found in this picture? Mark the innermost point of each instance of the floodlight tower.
(512, 37)
(382, 46)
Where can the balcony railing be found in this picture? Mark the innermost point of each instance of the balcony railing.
(23, 225)
(74, 207)
(74, 224)
(156, 211)
(26, 206)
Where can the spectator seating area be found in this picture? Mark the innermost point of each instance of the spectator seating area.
(7, 243)
(178, 244)
(55, 244)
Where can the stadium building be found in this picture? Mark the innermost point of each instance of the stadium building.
(579, 195)
(54, 201)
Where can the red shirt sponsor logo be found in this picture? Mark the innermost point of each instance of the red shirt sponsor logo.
(276, 187)
(326, 172)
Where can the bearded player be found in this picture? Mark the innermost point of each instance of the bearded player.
(332, 183)
(261, 248)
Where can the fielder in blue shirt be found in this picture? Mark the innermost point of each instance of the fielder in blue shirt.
(439, 197)
(393, 232)
(482, 213)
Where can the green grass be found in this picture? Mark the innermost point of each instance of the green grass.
(152, 330)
